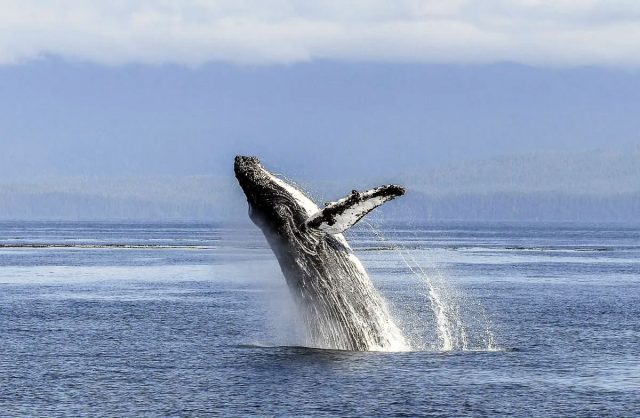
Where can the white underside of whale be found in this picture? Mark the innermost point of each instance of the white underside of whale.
(311, 209)
(304, 202)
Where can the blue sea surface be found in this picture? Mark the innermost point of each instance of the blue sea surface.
(191, 319)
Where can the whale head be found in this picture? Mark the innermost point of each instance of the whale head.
(277, 206)
(274, 204)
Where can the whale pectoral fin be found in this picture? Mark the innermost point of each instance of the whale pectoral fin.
(337, 217)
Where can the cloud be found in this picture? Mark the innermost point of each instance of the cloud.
(193, 32)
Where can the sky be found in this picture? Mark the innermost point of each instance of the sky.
(318, 89)
(193, 32)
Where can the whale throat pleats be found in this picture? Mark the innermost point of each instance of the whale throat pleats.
(337, 217)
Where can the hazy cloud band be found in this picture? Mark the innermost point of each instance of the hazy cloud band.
(192, 32)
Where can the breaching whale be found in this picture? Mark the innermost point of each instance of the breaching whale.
(340, 305)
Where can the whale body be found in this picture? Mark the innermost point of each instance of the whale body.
(340, 306)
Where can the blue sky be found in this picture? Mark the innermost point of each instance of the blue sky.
(315, 88)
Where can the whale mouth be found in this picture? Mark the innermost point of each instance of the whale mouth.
(260, 187)
(245, 164)
(243, 160)
(248, 171)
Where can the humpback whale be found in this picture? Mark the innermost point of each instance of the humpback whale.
(339, 304)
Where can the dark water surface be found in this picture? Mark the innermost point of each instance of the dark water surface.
(195, 320)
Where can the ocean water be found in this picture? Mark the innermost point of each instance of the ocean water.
(188, 319)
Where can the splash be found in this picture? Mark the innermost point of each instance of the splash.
(460, 322)
(342, 309)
